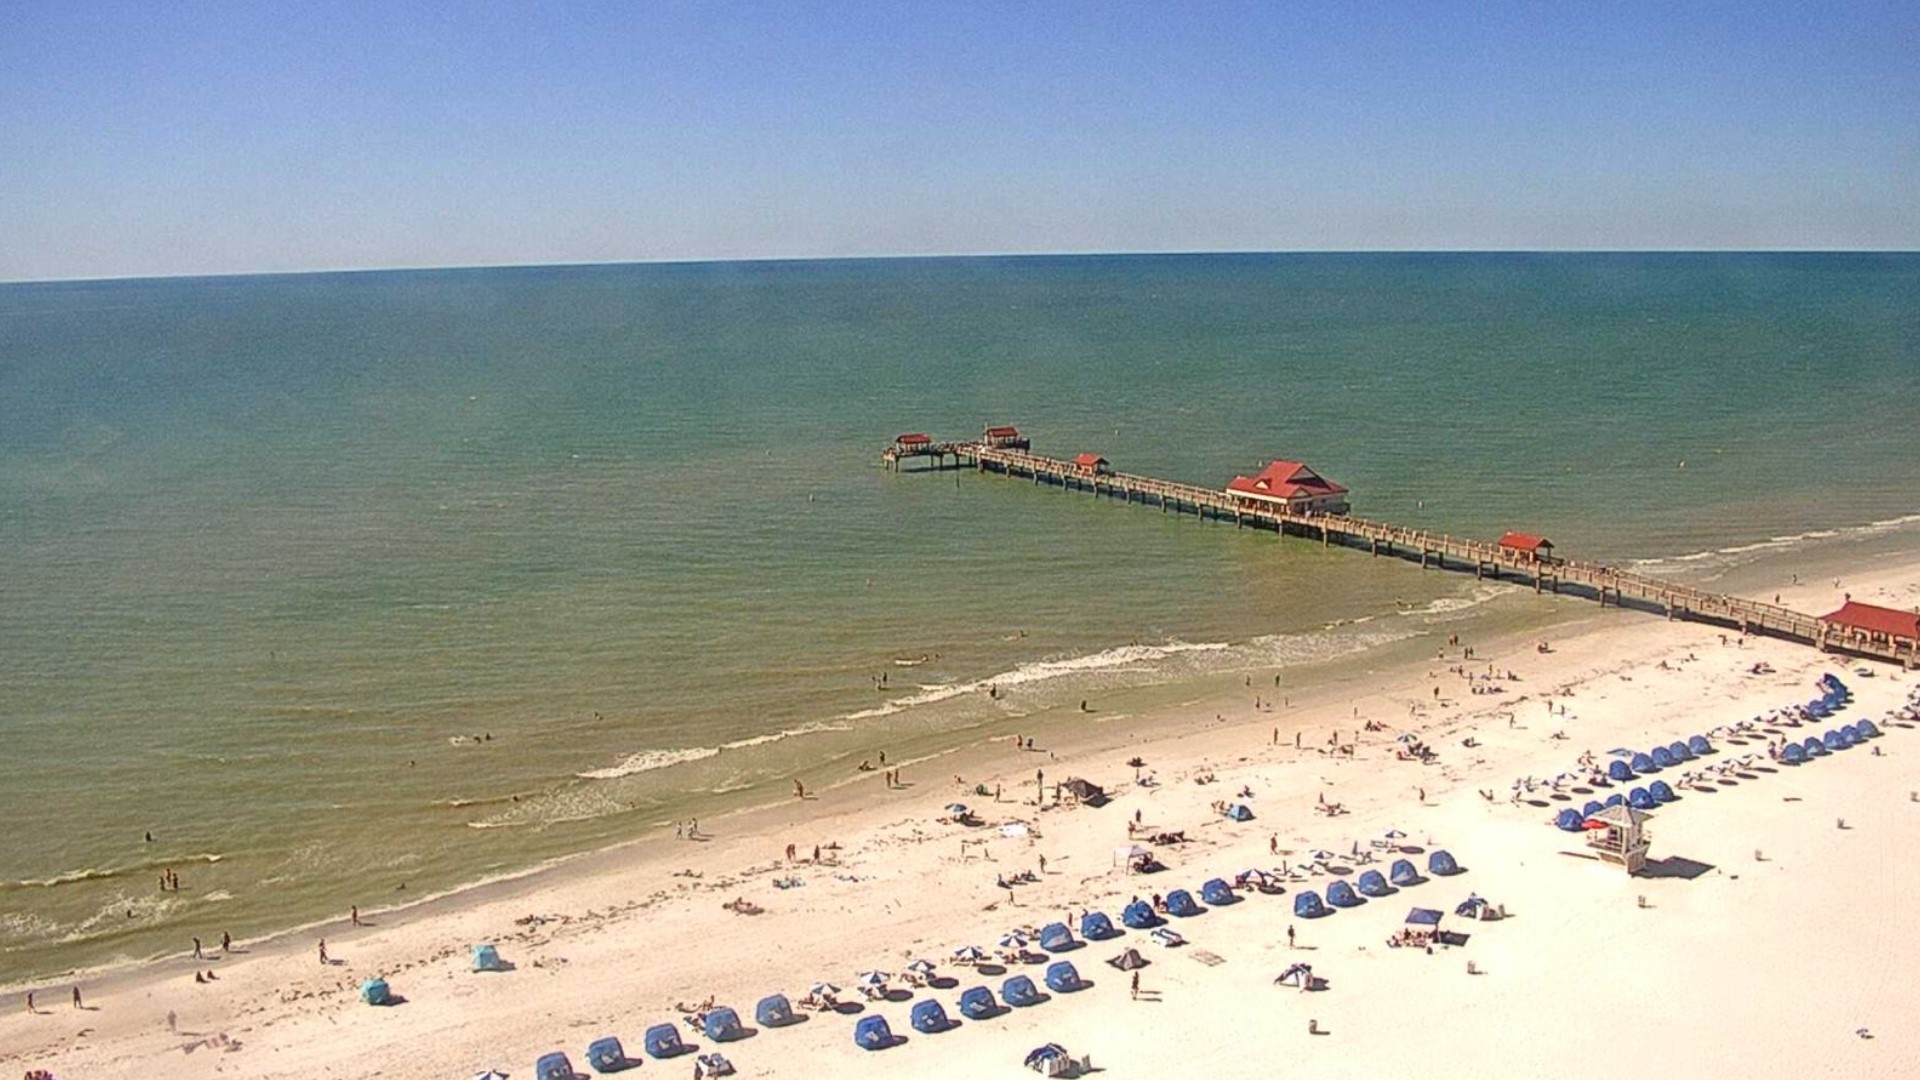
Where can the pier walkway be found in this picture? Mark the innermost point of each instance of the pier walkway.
(1484, 558)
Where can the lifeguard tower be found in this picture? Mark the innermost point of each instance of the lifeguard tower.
(1616, 835)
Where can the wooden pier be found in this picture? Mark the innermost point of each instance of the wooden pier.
(1485, 559)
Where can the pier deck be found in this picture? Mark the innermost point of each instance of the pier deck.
(1484, 558)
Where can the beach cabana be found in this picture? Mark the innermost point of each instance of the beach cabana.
(1619, 771)
(1442, 864)
(663, 1041)
(976, 1003)
(774, 1011)
(1064, 977)
(1794, 754)
(1813, 746)
(1139, 915)
(1643, 763)
(1240, 812)
(872, 1033)
(1020, 992)
(1308, 905)
(1640, 799)
(1615, 799)
(1341, 894)
(554, 1066)
(1833, 740)
(1593, 807)
(1217, 892)
(723, 1025)
(1661, 791)
(1130, 960)
(1180, 902)
(487, 958)
(1867, 728)
(1095, 926)
(1055, 937)
(607, 1055)
(1662, 757)
(376, 992)
(1403, 874)
(929, 1017)
(1679, 751)
(1568, 820)
(1374, 883)
(1699, 746)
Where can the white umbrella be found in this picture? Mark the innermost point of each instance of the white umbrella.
(1015, 940)
(1320, 855)
(823, 989)
(1407, 738)
(874, 978)
(924, 967)
(957, 808)
(969, 952)
(1394, 834)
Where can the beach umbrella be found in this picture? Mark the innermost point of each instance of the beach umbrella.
(924, 967)
(874, 978)
(1320, 855)
(969, 952)
(490, 1074)
(956, 808)
(1393, 834)
(1015, 940)
(823, 989)
(1407, 738)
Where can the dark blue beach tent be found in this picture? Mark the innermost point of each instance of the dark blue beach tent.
(976, 1003)
(1019, 992)
(1055, 937)
(872, 1033)
(1403, 874)
(1180, 902)
(1374, 883)
(773, 1011)
(1616, 799)
(663, 1041)
(1661, 791)
(1307, 905)
(1217, 892)
(1095, 926)
(1063, 976)
(606, 1055)
(1640, 799)
(723, 1025)
(1593, 807)
(1834, 740)
(929, 1017)
(1341, 894)
(1867, 728)
(1662, 757)
(1568, 820)
(1794, 754)
(1643, 763)
(1240, 812)
(1619, 771)
(1139, 915)
(1699, 746)
(1441, 864)
(376, 992)
(1679, 751)
(554, 1066)
(1813, 746)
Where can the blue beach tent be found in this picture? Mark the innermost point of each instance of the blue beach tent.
(1403, 874)
(1619, 771)
(1819, 709)
(1307, 905)
(773, 1011)
(1643, 763)
(872, 1033)
(1442, 864)
(1794, 754)
(486, 958)
(554, 1066)
(1867, 728)
(1240, 812)
(1341, 894)
(1055, 937)
(1180, 902)
(1217, 892)
(1813, 746)
(1064, 977)
(929, 1017)
(1019, 992)
(1640, 799)
(1095, 926)
(376, 992)
(1568, 820)
(1662, 757)
(976, 1003)
(1661, 791)
(1834, 740)
(1374, 883)
(1699, 746)
(606, 1055)
(723, 1025)
(1679, 751)
(1139, 915)
(1593, 807)
(663, 1041)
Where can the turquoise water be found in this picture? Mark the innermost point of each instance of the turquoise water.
(276, 549)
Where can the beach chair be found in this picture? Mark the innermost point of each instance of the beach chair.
(1166, 936)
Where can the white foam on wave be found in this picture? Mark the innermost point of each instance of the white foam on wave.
(648, 761)
(1777, 543)
(1118, 658)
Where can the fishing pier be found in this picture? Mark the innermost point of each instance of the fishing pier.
(1299, 503)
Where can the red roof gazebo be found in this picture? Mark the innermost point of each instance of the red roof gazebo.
(1538, 548)
(1872, 622)
(1292, 485)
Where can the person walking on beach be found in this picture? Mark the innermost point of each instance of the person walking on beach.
(1289, 935)
(323, 952)
(354, 914)
(30, 1007)
(76, 998)
(1273, 844)
(1136, 985)
(196, 950)
(226, 942)
(799, 790)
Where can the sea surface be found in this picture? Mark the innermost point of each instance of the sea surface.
(351, 588)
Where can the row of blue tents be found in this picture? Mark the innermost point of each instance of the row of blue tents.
(1839, 738)
(662, 1041)
(1340, 894)
(976, 1003)
(1622, 770)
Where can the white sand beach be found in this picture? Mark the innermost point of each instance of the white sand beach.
(1770, 941)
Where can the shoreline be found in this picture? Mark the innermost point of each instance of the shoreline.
(422, 938)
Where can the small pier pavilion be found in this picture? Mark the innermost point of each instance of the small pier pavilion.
(1291, 499)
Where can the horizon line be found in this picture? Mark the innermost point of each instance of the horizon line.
(939, 256)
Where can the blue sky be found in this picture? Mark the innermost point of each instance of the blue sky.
(184, 138)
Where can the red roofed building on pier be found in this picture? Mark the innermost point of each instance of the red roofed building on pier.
(1289, 487)
(1528, 546)
(1005, 438)
(1092, 464)
(1868, 623)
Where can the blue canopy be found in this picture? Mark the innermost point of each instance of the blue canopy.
(1834, 740)
(1620, 771)
(976, 1003)
(1217, 892)
(872, 1033)
(1794, 754)
(606, 1055)
(1095, 926)
(554, 1066)
(1640, 799)
(1641, 763)
(486, 958)
(773, 1011)
(723, 1024)
(1019, 992)
(663, 1041)
(1867, 728)
(1813, 746)
(1661, 791)
(1307, 905)
(1593, 807)
(1373, 883)
(1180, 902)
(1341, 894)
(1055, 937)
(1568, 820)
(1421, 916)
(1139, 915)
(1240, 812)
(1063, 976)
(1679, 751)
(1402, 873)
(1616, 799)
(1441, 864)
(376, 992)
(1662, 757)
(1699, 746)
(929, 1017)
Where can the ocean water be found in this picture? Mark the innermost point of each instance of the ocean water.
(342, 583)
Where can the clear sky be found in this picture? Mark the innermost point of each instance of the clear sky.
(143, 138)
